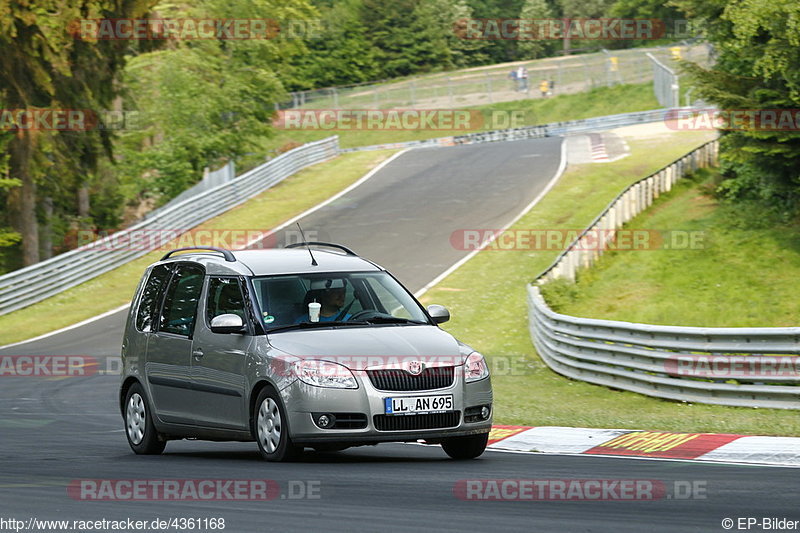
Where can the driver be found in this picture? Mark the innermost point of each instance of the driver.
(330, 294)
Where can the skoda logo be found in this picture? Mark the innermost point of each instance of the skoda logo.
(415, 368)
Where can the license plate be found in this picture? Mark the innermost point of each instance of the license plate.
(410, 405)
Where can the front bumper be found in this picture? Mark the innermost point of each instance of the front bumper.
(303, 400)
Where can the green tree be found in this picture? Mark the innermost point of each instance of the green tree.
(341, 53)
(43, 66)
(499, 50)
(406, 35)
(757, 48)
(201, 103)
(8, 237)
(582, 9)
(447, 15)
(531, 49)
(673, 22)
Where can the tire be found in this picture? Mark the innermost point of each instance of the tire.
(271, 428)
(468, 447)
(139, 429)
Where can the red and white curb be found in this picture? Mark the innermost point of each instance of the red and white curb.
(598, 148)
(718, 447)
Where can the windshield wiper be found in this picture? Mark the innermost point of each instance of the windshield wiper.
(394, 320)
(312, 325)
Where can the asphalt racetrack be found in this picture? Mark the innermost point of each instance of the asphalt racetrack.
(55, 432)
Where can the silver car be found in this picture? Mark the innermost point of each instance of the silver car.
(305, 346)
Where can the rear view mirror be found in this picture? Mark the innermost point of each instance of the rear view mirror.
(439, 313)
(227, 323)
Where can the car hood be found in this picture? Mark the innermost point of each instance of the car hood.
(372, 347)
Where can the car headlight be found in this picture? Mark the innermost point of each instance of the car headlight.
(475, 369)
(325, 374)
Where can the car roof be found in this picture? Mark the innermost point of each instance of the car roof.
(275, 261)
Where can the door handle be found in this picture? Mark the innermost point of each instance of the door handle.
(198, 353)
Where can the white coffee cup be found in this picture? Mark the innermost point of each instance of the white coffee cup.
(313, 311)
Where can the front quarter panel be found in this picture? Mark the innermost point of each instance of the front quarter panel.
(268, 364)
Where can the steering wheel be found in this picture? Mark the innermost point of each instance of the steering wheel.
(363, 314)
(183, 321)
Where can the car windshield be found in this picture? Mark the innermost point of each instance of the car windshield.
(344, 298)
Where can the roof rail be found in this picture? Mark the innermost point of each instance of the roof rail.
(345, 249)
(226, 253)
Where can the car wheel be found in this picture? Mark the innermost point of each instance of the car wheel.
(468, 447)
(272, 428)
(139, 429)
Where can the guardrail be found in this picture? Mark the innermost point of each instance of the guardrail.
(34, 283)
(678, 363)
(533, 132)
(729, 366)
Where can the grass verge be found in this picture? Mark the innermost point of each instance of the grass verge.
(487, 298)
(719, 278)
(265, 211)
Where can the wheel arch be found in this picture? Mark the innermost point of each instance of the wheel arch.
(123, 391)
(258, 386)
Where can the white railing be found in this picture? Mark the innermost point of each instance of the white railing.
(752, 367)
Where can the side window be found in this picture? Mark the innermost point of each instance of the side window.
(180, 304)
(224, 296)
(148, 303)
(281, 299)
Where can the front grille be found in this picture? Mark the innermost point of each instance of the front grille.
(410, 422)
(400, 380)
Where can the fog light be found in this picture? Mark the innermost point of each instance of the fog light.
(325, 421)
(485, 412)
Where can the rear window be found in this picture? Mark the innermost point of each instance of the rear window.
(151, 296)
(180, 303)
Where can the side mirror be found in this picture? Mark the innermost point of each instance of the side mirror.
(439, 313)
(227, 323)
